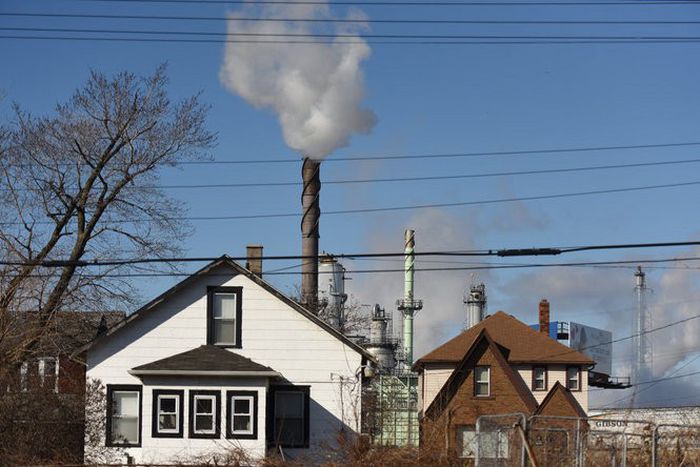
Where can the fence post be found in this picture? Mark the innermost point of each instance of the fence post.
(578, 450)
(654, 436)
(624, 450)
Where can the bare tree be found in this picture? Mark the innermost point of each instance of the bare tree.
(82, 184)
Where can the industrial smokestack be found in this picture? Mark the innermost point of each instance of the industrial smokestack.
(310, 195)
(476, 305)
(408, 305)
(544, 317)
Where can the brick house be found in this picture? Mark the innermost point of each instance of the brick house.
(499, 366)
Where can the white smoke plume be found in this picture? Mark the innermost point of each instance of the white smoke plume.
(316, 90)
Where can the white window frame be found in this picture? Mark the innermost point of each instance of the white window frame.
(42, 371)
(569, 379)
(111, 416)
(214, 418)
(250, 414)
(23, 374)
(477, 381)
(177, 413)
(535, 379)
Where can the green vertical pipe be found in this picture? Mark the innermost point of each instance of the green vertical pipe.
(409, 260)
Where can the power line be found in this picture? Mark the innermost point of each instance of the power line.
(415, 3)
(131, 262)
(334, 36)
(173, 41)
(407, 179)
(454, 155)
(398, 208)
(344, 20)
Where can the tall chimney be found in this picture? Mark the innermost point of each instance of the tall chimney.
(254, 255)
(544, 316)
(310, 174)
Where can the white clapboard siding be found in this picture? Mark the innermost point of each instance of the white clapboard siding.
(273, 334)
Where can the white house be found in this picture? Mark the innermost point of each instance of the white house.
(224, 361)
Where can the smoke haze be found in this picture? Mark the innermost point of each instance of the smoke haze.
(316, 90)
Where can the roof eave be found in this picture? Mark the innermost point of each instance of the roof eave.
(265, 373)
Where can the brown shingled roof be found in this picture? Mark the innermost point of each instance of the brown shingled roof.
(524, 344)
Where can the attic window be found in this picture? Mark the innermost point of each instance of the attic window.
(482, 381)
(224, 316)
(539, 378)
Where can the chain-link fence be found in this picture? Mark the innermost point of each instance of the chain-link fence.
(517, 440)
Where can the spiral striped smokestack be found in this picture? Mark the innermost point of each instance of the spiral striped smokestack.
(311, 176)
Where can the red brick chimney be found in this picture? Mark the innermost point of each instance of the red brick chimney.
(544, 316)
(254, 259)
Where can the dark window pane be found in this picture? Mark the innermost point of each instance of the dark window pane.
(242, 423)
(204, 406)
(289, 431)
(204, 423)
(241, 406)
(167, 422)
(167, 405)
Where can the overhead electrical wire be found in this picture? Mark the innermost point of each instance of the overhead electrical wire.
(335, 36)
(454, 155)
(173, 41)
(396, 208)
(343, 20)
(416, 3)
(406, 179)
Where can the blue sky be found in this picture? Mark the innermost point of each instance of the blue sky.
(438, 99)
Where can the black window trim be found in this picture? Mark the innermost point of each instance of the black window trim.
(217, 414)
(229, 415)
(211, 290)
(180, 394)
(306, 390)
(111, 388)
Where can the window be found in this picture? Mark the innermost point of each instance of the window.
(224, 314)
(466, 441)
(167, 414)
(539, 378)
(290, 427)
(488, 445)
(242, 414)
(573, 378)
(48, 373)
(123, 415)
(482, 378)
(205, 407)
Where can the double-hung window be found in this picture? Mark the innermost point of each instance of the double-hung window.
(242, 414)
(482, 381)
(539, 378)
(224, 315)
(48, 373)
(167, 413)
(205, 407)
(573, 378)
(123, 415)
(291, 416)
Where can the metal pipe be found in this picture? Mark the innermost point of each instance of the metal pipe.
(310, 195)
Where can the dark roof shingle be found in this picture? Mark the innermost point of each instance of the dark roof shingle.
(203, 359)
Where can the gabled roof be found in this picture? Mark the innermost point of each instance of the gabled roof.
(525, 345)
(558, 388)
(205, 360)
(225, 260)
(466, 365)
